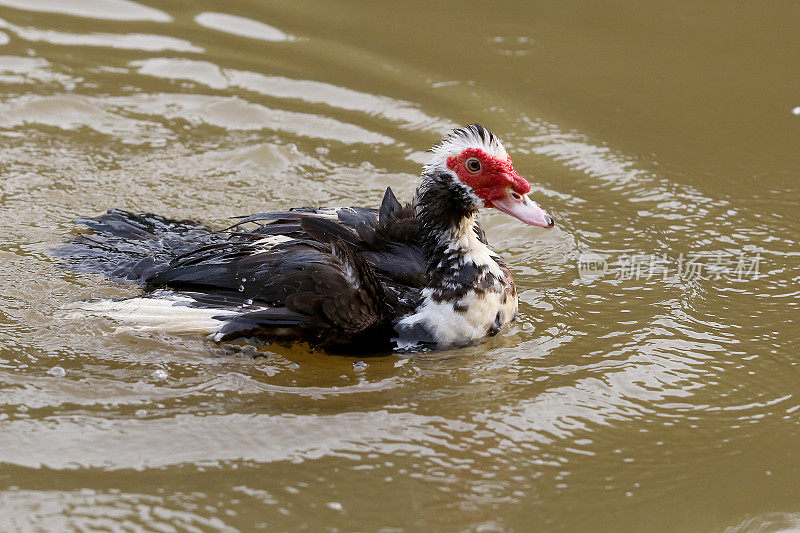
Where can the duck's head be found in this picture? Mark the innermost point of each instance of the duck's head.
(480, 169)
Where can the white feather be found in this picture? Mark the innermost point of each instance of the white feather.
(267, 243)
(442, 320)
(449, 326)
(272, 240)
(163, 311)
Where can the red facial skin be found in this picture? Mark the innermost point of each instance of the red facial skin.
(493, 179)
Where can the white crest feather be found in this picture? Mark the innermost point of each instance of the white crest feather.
(458, 140)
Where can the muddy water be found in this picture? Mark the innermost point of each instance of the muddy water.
(650, 383)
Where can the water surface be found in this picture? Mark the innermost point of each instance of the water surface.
(658, 394)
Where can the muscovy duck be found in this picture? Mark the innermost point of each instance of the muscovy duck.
(398, 276)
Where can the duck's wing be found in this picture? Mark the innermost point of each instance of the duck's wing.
(324, 295)
(386, 237)
(320, 293)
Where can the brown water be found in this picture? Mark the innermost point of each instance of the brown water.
(661, 136)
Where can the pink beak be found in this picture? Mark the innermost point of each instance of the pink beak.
(521, 207)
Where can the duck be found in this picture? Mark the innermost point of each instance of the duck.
(397, 277)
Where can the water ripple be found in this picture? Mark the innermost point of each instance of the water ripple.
(100, 9)
(241, 26)
(121, 41)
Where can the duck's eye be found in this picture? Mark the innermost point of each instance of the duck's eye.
(473, 165)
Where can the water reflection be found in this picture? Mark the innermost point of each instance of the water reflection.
(314, 92)
(241, 26)
(29, 70)
(101, 9)
(64, 510)
(146, 443)
(233, 113)
(128, 41)
(72, 112)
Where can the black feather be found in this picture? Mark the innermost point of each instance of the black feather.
(338, 279)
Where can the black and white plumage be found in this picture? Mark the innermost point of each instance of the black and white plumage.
(397, 276)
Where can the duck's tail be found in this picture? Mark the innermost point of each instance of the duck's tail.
(130, 248)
